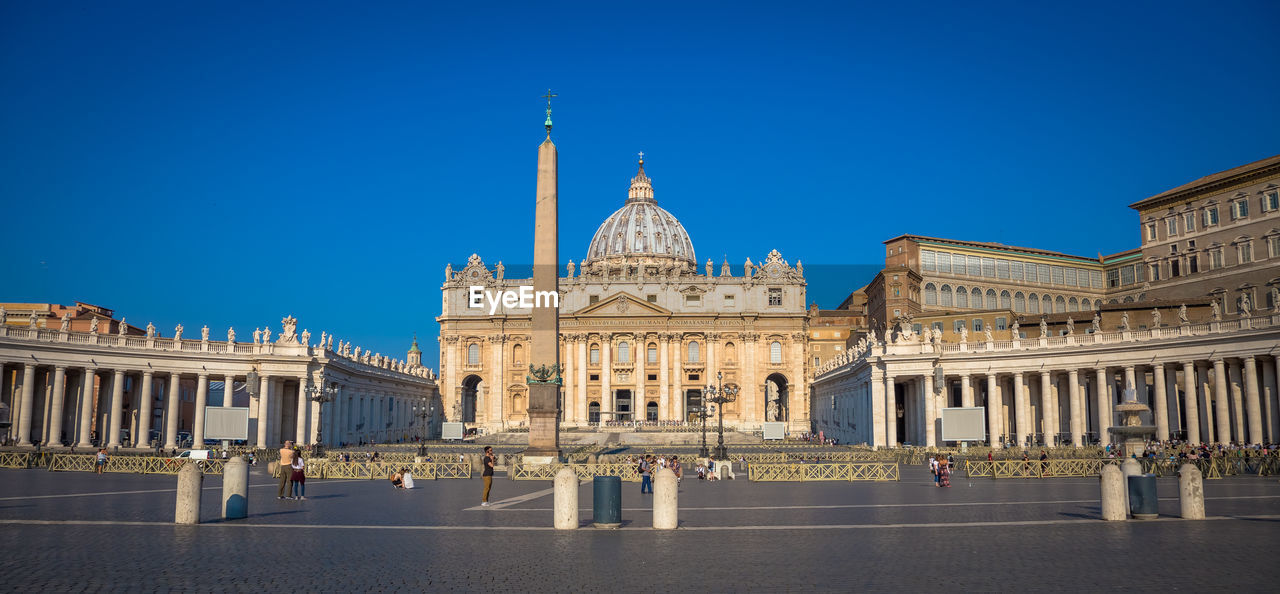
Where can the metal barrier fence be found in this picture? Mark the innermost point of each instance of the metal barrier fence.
(857, 471)
(1034, 468)
(130, 464)
(545, 472)
(15, 460)
(329, 469)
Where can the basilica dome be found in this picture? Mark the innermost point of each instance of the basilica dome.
(641, 228)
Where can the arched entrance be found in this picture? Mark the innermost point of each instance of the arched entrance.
(776, 395)
(651, 411)
(593, 412)
(470, 394)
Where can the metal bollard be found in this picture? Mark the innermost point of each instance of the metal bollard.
(190, 481)
(566, 499)
(235, 489)
(1113, 494)
(1191, 492)
(607, 508)
(666, 507)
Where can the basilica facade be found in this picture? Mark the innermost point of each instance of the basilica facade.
(643, 332)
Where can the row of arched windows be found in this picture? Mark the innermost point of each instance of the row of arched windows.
(976, 298)
(623, 352)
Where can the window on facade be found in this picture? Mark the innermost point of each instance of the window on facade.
(730, 300)
(962, 297)
(1002, 323)
(1215, 259)
(930, 294)
(1015, 270)
(1273, 247)
(1034, 304)
(977, 324)
(1138, 271)
(775, 352)
(1189, 222)
(1006, 300)
(1043, 269)
(1126, 275)
(944, 263)
(1151, 231)
(1239, 209)
(593, 299)
(1173, 225)
(595, 354)
(654, 298)
(517, 354)
(928, 260)
(957, 326)
(1271, 201)
(1073, 305)
(1210, 216)
(473, 354)
(1095, 278)
(945, 296)
(1175, 268)
(937, 326)
(975, 266)
(624, 352)
(694, 352)
(916, 328)
(1059, 305)
(1155, 271)
(693, 299)
(1113, 277)
(991, 298)
(1192, 264)
(989, 267)
(1057, 274)
(1070, 274)
(1002, 269)
(1246, 252)
(977, 298)
(775, 296)
(1019, 302)
(652, 353)
(1086, 305)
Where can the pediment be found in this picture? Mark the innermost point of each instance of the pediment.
(624, 304)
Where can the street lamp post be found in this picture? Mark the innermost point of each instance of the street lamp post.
(721, 395)
(703, 413)
(424, 413)
(320, 395)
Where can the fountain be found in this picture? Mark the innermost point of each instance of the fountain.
(1131, 429)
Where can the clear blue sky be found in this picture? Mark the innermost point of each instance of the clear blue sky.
(231, 163)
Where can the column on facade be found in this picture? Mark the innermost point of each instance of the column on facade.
(638, 410)
(117, 404)
(144, 411)
(1235, 386)
(797, 392)
(1190, 401)
(664, 387)
(1160, 402)
(1020, 404)
(202, 400)
(750, 412)
(581, 386)
(891, 411)
(677, 384)
(1220, 401)
(930, 410)
(710, 347)
(568, 389)
(993, 413)
(1253, 406)
(264, 410)
(28, 403)
(606, 376)
(1101, 394)
(498, 389)
(877, 408)
(56, 407)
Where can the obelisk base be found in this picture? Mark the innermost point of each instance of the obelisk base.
(544, 426)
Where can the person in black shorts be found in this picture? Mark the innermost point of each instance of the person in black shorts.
(487, 473)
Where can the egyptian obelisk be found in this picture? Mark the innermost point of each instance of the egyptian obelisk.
(544, 369)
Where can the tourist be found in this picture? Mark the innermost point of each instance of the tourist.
(100, 465)
(1044, 463)
(944, 475)
(675, 467)
(408, 478)
(933, 469)
(646, 475)
(397, 479)
(298, 474)
(286, 475)
(487, 473)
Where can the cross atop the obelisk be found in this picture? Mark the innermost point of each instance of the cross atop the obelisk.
(548, 97)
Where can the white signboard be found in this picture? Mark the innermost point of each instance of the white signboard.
(450, 430)
(226, 422)
(964, 424)
(775, 430)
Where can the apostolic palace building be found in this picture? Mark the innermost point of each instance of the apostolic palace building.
(1049, 343)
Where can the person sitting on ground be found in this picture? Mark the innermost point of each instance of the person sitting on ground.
(408, 478)
(397, 479)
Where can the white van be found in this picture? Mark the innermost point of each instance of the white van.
(195, 455)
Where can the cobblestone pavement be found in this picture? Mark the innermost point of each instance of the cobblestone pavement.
(79, 531)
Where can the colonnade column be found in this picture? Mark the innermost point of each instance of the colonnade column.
(1020, 404)
(202, 400)
(930, 411)
(1102, 387)
(264, 410)
(877, 409)
(1221, 410)
(1078, 420)
(300, 431)
(28, 403)
(144, 411)
(993, 413)
(664, 390)
(171, 412)
(1161, 399)
(891, 411)
(117, 403)
(1204, 392)
(1191, 402)
(55, 408)
(86, 406)
(1049, 409)
(1130, 383)
(1234, 385)
(1270, 403)
(1253, 405)
(581, 386)
(966, 391)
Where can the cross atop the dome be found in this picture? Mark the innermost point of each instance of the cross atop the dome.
(642, 156)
